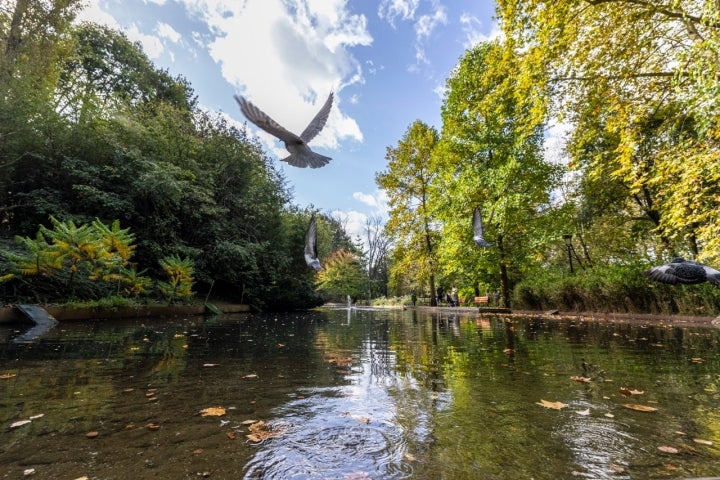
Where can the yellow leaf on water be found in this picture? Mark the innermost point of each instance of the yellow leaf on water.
(212, 412)
(639, 408)
(627, 392)
(552, 405)
(668, 449)
(7, 375)
(702, 442)
(577, 378)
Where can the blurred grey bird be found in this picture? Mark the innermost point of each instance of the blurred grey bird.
(300, 154)
(478, 229)
(311, 256)
(684, 271)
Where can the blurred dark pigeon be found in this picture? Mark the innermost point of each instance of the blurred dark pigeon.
(311, 257)
(478, 229)
(300, 154)
(684, 271)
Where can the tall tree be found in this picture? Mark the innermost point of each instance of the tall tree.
(491, 156)
(638, 82)
(411, 226)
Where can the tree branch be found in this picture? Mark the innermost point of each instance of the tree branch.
(677, 14)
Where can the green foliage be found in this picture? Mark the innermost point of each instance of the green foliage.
(83, 261)
(410, 226)
(180, 278)
(342, 275)
(612, 288)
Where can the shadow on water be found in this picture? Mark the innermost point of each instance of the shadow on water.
(359, 394)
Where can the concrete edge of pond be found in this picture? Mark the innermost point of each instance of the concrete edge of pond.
(617, 317)
(61, 313)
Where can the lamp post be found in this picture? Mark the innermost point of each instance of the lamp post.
(568, 247)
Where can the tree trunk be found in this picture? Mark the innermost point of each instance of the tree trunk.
(433, 297)
(14, 38)
(504, 284)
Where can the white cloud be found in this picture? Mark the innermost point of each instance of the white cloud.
(286, 57)
(152, 45)
(354, 221)
(156, 2)
(471, 25)
(166, 31)
(391, 9)
(93, 13)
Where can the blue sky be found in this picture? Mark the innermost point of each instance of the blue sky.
(386, 61)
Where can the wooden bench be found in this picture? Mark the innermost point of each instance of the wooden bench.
(484, 300)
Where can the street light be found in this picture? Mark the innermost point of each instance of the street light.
(569, 248)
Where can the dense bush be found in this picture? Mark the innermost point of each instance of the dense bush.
(613, 288)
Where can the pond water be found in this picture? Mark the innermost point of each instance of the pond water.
(361, 394)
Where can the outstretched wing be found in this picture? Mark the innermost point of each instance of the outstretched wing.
(311, 245)
(713, 276)
(663, 274)
(318, 122)
(478, 233)
(262, 120)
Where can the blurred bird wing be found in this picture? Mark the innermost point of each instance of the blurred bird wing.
(477, 223)
(662, 273)
(318, 122)
(262, 120)
(311, 241)
(713, 276)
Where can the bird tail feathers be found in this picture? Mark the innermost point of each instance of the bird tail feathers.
(311, 159)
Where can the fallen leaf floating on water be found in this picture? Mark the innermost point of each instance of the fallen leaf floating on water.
(84, 477)
(35, 417)
(212, 412)
(248, 422)
(697, 360)
(5, 376)
(92, 434)
(668, 449)
(551, 405)
(251, 375)
(259, 432)
(20, 423)
(627, 392)
(584, 413)
(616, 468)
(152, 426)
(702, 442)
(29, 471)
(210, 364)
(577, 378)
(231, 435)
(639, 408)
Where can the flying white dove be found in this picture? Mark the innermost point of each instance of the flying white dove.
(311, 256)
(300, 154)
(684, 271)
(478, 229)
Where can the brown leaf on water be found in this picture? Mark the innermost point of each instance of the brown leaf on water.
(577, 378)
(231, 435)
(92, 434)
(551, 405)
(639, 408)
(697, 360)
(616, 468)
(152, 426)
(259, 431)
(628, 392)
(212, 412)
(668, 449)
(5, 376)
